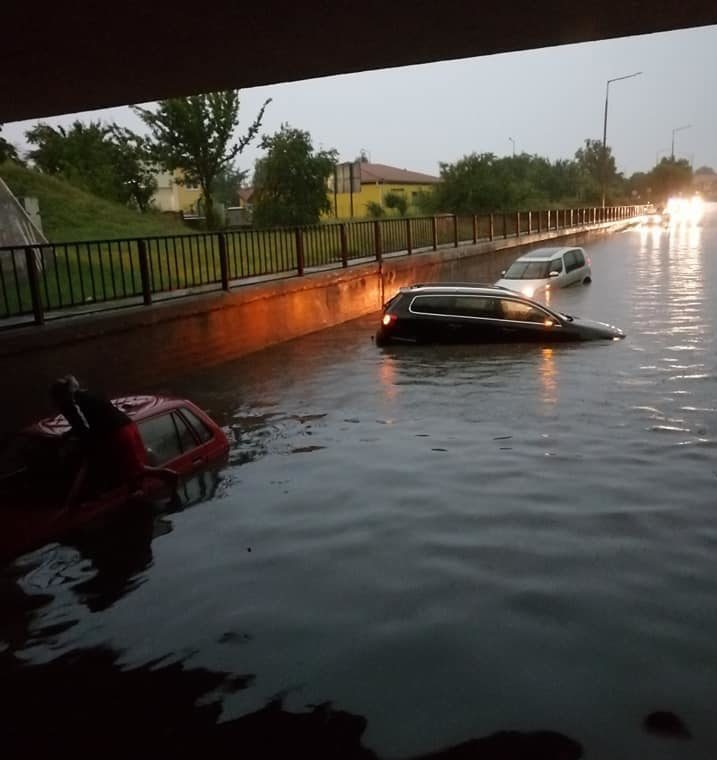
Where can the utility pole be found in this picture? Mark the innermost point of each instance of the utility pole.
(604, 129)
(674, 131)
(512, 141)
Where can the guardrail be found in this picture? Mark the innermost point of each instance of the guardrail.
(53, 280)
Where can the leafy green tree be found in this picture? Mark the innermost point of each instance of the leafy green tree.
(196, 134)
(396, 201)
(106, 160)
(590, 164)
(290, 181)
(670, 177)
(482, 182)
(8, 151)
(133, 166)
(227, 185)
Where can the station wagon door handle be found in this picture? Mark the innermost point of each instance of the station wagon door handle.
(198, 462)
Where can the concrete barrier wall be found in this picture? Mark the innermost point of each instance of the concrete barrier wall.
(132, 350)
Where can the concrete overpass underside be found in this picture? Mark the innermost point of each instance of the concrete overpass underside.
(60, 58)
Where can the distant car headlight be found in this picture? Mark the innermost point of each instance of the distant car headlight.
(528, 292)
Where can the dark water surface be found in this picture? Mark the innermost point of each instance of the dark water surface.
(446, 541)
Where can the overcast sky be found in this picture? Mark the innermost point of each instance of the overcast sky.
(548, 100)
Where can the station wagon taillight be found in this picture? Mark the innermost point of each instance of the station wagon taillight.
(389, 319)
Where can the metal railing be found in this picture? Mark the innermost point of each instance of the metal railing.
(52, 280)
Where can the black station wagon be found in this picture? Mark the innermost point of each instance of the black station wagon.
(472, 313)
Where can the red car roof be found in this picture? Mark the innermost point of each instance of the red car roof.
(135, 407)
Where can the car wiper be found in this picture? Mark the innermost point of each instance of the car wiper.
(567, 316)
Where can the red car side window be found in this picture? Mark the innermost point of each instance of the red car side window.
(202, 431)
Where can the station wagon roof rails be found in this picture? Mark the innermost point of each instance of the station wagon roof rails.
(483, 285)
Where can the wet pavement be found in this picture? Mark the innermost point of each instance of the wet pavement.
(443, 542)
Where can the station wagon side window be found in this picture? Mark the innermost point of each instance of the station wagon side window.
(570, 261)
(166, 437)
(579, 258)
(198, 426)
(517, 311)
(433, 305)
(476, 306)
(556, 265)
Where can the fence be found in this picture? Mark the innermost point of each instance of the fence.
(61, 279)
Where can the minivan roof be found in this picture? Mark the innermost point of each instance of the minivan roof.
(544, 254)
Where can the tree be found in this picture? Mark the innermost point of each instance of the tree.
(133, 166)
(106, 160)
(670, 177)
(593, 171)
(227, 185)
(396, 201)
(195, 134)
(8, 152)
(290, 181)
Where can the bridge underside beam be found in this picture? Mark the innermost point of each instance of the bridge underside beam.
(60, 58)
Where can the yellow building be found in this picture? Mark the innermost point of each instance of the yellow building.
(375, 182)
(172, 196)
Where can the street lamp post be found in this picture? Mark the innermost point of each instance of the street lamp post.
(513, 142)
(604, 128)
(674, 131)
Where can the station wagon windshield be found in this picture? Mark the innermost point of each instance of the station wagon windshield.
(529, 270)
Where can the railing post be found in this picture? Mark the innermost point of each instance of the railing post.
(530, 222)
(223, 261)
(517, 223)
(377, 239)
(455, 231)
(299, 233)
(557, 219)
(547, 226)
(475, 229)
(434, 232)
(572, 219)
(144, 272)
(344, 245)
(505, 226)
(491, 227)
(409, 237)
(33, 280)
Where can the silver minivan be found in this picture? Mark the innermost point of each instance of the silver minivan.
(546, 268)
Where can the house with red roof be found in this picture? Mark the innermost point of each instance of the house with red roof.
(354, 186)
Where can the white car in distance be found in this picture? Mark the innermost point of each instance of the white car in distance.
(546, 268)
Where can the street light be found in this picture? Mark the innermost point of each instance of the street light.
(604, 128)
(674, 131)
(513, 141)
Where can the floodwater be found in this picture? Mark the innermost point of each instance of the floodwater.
(446, 541)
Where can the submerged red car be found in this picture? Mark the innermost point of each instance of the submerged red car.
(35, 475)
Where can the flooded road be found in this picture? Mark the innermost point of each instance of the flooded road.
(447, 541)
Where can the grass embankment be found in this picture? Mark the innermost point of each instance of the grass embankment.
(70, 214)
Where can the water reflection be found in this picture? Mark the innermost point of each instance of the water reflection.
(387, 377)
(548, 376)
(95, 568)
(173, 710)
